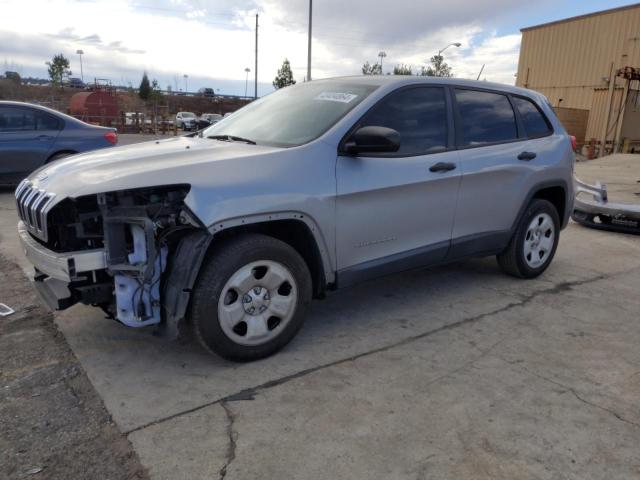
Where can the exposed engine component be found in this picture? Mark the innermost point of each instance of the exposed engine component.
(138, 302)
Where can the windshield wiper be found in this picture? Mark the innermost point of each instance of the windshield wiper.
(231, 138)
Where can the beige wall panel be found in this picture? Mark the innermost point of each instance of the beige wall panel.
(568, 59)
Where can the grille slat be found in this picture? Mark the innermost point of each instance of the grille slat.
(32, 206)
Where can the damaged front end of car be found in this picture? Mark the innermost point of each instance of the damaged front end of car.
(134, 253)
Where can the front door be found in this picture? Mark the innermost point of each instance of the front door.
(395, 211)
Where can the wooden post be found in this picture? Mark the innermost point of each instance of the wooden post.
(591, 151)
(623, 104)
(607, 110)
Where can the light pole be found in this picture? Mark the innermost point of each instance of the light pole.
(309, 43)
(186, 83)
(80, 52)
(246, 80)
(456, 44)
(381, 54)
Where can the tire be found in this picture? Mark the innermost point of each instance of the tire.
(58, 156)
(250, 272)
(533, 245)
(182, 127)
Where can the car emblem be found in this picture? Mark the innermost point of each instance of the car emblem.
(42, 177)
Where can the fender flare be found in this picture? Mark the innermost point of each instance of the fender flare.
(323, 250)
(534, 190)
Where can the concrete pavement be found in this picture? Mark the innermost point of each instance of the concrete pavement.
(454, 372)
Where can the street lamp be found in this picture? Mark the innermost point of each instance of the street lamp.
(80, 52)
(456, 44)
(186, 83)
(246, 70)
(381, 54)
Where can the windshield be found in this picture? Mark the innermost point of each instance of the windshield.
(188, 114)
(293, 115)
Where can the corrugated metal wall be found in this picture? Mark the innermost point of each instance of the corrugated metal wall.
(568, 59)
(598, 113)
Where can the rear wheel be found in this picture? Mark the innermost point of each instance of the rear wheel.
(534, 242)
(250, 298)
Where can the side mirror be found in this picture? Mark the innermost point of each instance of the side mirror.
(373, 139)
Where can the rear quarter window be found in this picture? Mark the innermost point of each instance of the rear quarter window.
(534, 122)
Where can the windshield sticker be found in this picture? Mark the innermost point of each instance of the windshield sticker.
(336, 97)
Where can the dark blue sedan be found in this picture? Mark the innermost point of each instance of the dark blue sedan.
(31, 135)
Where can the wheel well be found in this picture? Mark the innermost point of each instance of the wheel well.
(66, 152)
(557, 196)
(294, 233)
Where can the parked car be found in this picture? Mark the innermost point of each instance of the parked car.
(186, 120)
(208, 119)
(76, 83)
(31, 136)
(317, 186)
(206, 92)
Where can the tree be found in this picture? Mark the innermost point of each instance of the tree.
(368, 69)
(284, 78)
(438, 68)
(402, 70)
(58, 69)
(144, 90)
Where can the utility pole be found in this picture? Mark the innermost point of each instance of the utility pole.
(255, 90)
(309, 43)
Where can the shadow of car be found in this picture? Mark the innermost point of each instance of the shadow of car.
(32, 135)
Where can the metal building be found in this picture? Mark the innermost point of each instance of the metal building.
(589, 68)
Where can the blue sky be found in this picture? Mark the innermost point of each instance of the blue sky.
(212, 41)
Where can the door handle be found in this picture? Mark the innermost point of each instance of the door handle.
(442, 167)
(526, 156)
(44, 137)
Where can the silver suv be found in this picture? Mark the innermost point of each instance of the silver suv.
(312, 188)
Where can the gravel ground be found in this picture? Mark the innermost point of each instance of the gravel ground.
(53, 425)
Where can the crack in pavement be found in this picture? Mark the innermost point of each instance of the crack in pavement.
(251, 392)
(569, 389)
(233, 437)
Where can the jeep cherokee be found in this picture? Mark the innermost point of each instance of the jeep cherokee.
(314, 187)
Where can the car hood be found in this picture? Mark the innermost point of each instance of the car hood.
(179, 160)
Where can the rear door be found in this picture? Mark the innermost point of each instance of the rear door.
(23, 147)
(395, 211)
(491, 142)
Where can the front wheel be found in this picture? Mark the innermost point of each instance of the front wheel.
(534, 242)
(250, 298)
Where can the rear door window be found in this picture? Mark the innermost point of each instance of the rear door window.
(44, 121)
(534, 122)
(16, 119)
(485, 117)
(419, 115)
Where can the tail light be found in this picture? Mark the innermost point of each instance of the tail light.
(111, 137)
(574, 142)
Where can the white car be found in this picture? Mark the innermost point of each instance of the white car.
(130, 118)
(186, 120)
